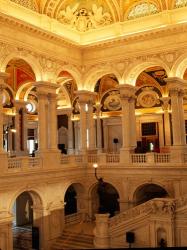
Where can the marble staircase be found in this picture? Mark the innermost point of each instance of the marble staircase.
(79, 236)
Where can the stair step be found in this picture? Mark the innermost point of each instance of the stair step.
(73, 240)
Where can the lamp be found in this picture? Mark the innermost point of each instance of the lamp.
(95, 166)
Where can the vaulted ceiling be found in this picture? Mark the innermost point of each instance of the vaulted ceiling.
(83, 15)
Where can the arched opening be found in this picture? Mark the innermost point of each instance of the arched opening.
(110, 106)
(148, 192)
(27, 223)
(70, 200)
(104, 199)
(161, 237)
(19, 138)
(151, 87)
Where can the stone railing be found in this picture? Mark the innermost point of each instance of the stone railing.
(138, 158)
(20, 163)
(162, 158)
(92, 158)
(73, 218)
(151, 158)
(15, 163)
(112, 158)
(154, 206)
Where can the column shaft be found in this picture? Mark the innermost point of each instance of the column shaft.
(42, 128)
(83, 127)
(70, 135)
(1, 120)
(125, 123)
(132, 117)
(91, 127)
(52, 122)
(176, 117)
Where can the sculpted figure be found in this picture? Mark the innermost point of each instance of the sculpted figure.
(68, 16)
(97, 17)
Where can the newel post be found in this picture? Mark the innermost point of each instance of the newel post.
(101, 231)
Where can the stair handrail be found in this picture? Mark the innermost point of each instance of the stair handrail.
(165, 205)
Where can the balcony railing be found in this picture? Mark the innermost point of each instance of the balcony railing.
(151, 158)
(20, 163)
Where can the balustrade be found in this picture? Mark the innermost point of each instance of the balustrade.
(138, 158)
(73, 218)
(112, 158)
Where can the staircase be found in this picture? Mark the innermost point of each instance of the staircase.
(74, 239)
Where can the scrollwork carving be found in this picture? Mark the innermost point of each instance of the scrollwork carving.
(82, 19)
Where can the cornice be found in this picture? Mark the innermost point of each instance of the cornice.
(141, 36)
(155, 32)
(41, 33)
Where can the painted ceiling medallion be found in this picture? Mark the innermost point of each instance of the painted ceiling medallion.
(83, 19)
(148, 98)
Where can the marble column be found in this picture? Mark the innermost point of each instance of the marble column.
(85, 98)
(91, 127)
(132, 117)
(176, 90)
(17, 127)
(46, 92)
(127, 95)
(24, 130)
(70, 134)
(42, 126)
(3, 77)
(99, 133)
(83, 127)
(52, 118)
(167, 129)
(175, 86)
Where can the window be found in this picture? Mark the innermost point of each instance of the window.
(149, 128)
(142, 9)
(180, 3)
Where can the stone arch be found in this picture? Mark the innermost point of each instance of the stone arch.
(67, 97)
(179, 66)
(35, 194)
(110, 201)
(20, 89)
(147, 191)
(74, 72)
(77, 196)
(37, 205)
(131, 74)
(95, 74)
(31, 60)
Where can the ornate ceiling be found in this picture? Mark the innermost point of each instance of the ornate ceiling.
(84, 15)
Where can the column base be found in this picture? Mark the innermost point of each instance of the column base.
(50, 158)
(125, 155)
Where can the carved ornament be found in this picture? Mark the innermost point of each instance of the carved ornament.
(83, 19)
(148, 98)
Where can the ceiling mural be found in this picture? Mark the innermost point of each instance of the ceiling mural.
(105, 83)
(20, 73)
(84, 15)
(152, 76)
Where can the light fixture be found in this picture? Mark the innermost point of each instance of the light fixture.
(95, 166)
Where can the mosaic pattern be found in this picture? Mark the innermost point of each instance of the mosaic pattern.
(143, 9)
